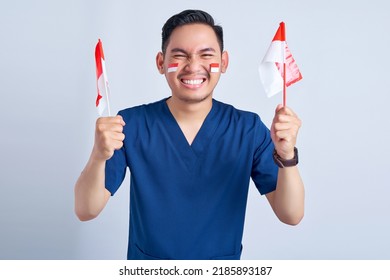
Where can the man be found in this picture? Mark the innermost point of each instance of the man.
(191, 157)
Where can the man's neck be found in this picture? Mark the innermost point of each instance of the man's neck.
(190, 115)
(189, 112)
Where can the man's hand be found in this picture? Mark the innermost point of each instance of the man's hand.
(108, 137)
(284, 131)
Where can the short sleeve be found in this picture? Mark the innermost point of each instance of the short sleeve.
(264, 171)
(115, 170)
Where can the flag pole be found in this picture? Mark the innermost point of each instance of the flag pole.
(106, 87)
(284, 63)
(284, 84)
(107, 98)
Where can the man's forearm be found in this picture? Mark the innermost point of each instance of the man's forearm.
(287, 200)
(90, 193)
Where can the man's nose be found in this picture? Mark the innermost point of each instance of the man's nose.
(194, 63)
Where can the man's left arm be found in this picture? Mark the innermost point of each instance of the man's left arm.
(287, 201)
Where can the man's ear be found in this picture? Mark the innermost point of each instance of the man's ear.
(160, 62)
(225, 61)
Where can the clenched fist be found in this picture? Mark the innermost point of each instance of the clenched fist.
(108, 137)
(284, 131)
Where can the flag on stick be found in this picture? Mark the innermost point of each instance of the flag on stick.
(278, 69)
(102, 100)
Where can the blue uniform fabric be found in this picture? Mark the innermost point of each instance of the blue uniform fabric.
(189, 201)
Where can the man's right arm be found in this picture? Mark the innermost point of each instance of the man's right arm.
(91, 195)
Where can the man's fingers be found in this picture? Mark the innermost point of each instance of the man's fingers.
(119, 136)
(104, 127)
(109, 135)
(119, 120)
(293, 120)
(282, 126)
(108, 143)
(110, 124)
(117, 144)
(111, 120)
(285, 127)
(284, 111)
(286, 135)
(280, 106)
(284, 130)
(280, 118)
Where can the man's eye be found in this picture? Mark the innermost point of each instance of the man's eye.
(207, 55)
(179, 56)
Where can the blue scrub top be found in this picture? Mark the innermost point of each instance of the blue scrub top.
(189, 201)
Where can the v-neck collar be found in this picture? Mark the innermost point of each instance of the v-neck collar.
(191, 153)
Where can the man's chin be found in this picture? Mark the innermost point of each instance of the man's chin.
(195, 99)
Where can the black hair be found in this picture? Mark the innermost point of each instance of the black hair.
(189, 17)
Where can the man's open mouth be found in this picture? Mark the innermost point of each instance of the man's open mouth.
(193, 82)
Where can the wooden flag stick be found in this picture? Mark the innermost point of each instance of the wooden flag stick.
(284, 84)
(282, 27)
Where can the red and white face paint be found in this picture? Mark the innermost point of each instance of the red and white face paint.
(172, 67)
(214, 68)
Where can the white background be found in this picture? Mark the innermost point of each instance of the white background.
(47, 117)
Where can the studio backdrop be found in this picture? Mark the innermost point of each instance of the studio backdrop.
(47, 119)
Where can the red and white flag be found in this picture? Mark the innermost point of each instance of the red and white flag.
(214, 67)
(173, 67)
(271, 68)
(102, 100)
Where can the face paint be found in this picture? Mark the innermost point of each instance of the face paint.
(214, 67)
(173, 67)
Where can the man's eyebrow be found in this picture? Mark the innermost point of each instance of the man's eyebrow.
(207, 50)
(176, 50)
(179, 50)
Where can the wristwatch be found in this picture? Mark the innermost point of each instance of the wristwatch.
(286, 162)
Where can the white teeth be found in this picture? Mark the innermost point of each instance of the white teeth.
(193, 82)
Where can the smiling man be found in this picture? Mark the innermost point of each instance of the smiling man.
(191, 157)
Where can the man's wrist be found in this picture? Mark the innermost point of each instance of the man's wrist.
(287, 161)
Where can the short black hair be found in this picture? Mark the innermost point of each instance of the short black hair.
(189, 17)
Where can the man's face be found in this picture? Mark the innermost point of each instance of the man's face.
(193, 48)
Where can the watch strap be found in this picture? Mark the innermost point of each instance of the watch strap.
(286, 162)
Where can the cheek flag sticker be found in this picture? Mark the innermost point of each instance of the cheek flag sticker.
(214, 67)
(173, 67)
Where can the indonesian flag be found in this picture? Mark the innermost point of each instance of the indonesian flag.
(173, 67)
(102, 100)
(271, 68)
(214, 67)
